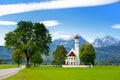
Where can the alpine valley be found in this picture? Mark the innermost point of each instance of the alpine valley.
(107, 49)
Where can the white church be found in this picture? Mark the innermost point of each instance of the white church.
(72, 59)
(73, 55)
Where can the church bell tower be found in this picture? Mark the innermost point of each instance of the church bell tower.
(76, 38)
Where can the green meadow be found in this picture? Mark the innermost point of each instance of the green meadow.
(4, 66)
(58, 73)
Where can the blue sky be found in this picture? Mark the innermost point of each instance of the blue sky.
(63, 18)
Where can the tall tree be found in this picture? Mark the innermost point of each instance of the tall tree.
(36, 59)
(29, 38)
(17, 56)
(59, 55)
(87, 54)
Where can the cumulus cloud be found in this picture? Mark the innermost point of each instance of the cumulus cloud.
(53, 4)
(116, 26)
(8, 23)
(50, 23)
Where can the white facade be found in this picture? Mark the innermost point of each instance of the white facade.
(72, 59)
(73, 55)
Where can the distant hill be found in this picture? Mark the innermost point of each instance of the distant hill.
(5, 54)
(109, 54)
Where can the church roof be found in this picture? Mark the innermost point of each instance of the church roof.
(71, 53)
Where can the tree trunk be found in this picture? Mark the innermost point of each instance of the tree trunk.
(34, 64)
(27, 61)
(18, 64)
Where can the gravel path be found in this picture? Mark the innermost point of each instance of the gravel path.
(9, 72)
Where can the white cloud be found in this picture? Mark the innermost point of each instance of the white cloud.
(117, 26)
(2, 41)
(8, 23)
(59, 34)
(53, 4)
(50, 23)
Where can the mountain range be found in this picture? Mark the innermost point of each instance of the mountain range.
(105, 41)
(106, 47)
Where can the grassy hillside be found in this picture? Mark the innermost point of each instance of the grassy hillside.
(55, 73)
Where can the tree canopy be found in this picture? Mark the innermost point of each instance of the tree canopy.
(29, 38)
(87, 54)
(59, 55)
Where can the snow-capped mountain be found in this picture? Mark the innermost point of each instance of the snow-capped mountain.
(105, 41)
(97, 42)
(67, 43)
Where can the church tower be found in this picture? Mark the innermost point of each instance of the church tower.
(72, 58)
(76, 38)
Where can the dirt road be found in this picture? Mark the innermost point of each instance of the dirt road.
(9, 72)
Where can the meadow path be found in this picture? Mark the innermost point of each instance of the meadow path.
(9, 72)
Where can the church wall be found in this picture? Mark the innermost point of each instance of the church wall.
(72, 60)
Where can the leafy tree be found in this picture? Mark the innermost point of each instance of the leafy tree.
(36, 59)
(59, 55)
(1, 60)
(17, 56)
(87, 54)
(29, 38)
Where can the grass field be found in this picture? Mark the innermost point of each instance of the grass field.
(4, 66)
(57, 73)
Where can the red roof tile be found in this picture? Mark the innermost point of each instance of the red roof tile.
(72, 54)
